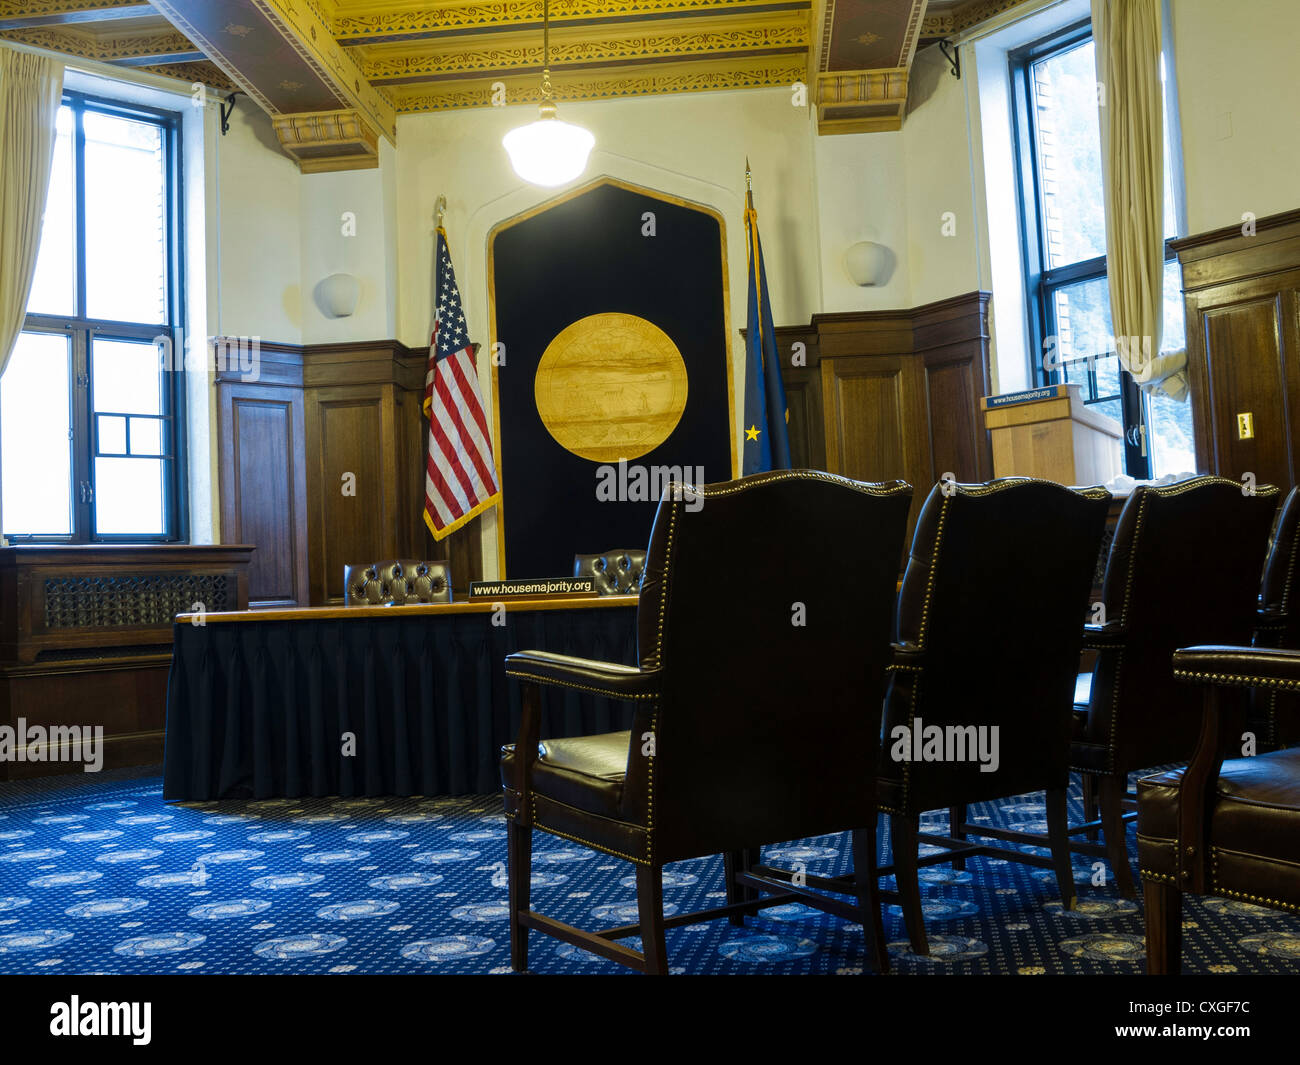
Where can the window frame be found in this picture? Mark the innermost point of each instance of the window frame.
(1043, 281)
(82, 331)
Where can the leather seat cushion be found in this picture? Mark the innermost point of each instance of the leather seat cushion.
(1255, 826)
(585, 772)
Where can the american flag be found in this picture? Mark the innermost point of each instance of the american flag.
(460, 476)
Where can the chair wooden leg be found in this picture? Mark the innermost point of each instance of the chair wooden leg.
(957, 818)
(873, 921)
(906, 876)
(650, 907)
(1088, 781)
(1112, 820)
(1058, 824)
(1164, 920)
(519, 866)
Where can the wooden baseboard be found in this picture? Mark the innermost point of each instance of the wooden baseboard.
(130, 749)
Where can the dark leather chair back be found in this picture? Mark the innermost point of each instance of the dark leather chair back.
(1184, 569)
(1277, 713)
(616, 572)
(990, 624)
(769, 719)
(397, 582)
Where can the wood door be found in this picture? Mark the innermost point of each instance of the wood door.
(1247, 376)
(262, 449)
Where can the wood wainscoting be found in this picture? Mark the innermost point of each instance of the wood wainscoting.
(322, 466)
(86, 639)
(1242, 298)
(892, 394)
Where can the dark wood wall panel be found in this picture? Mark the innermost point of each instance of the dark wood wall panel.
(86, 637)
(1246, 374)
(867, 422)
(1242, 299)
(803, 395)
(895, 393)
(956, 436)
(348, 430)
(263, 488)
(284, 443)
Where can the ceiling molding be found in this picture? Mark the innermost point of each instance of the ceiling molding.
(962, 16)
(353, 25)
(865, 54)
(660, 78)
(572, 48)
(105, 47)
(328, 141)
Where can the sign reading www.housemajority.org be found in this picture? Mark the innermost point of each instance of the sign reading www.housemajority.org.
(536, 586)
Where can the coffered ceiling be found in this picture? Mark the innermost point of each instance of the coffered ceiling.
(335, 74)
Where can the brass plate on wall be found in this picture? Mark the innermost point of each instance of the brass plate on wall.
(610, 386)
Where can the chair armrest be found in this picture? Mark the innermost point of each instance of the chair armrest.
(1221, 723)
(1104, 637)
(600, 678)
(1249, 667)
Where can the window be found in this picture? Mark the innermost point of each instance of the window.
(1055, 94)
(89, 411)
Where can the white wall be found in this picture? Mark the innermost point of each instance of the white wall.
(692, 145)
(1238, 101)
(861, 193)
(329, 245)
(258, 229)
(942, 225)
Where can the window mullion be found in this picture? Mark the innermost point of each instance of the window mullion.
(83, 510)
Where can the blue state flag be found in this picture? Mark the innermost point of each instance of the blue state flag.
(766, 441)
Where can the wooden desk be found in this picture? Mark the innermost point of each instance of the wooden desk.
(409, 700)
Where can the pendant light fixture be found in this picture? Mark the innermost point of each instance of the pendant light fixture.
(548, 152)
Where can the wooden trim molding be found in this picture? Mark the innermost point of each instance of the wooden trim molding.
(896, 393)
(1241, 294)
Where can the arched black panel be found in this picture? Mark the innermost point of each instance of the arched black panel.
(582, 256)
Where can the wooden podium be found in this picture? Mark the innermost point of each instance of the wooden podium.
(1049, 433)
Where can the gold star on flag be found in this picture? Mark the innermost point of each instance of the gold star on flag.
(752, 432)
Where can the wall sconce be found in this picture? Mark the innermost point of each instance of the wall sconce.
(337, 295)
(867, 263)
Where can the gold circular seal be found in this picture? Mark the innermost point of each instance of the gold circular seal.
(610, 386)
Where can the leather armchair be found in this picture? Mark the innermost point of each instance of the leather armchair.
(396, 583)
(616, 572)
(756, 706)
(1224, 826)
(1183, 569)
(988, 639)
(1275, 714)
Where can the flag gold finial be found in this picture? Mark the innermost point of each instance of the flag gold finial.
(749, 185)
(440, 208)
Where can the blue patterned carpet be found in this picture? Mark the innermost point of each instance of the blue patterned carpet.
(99, 875)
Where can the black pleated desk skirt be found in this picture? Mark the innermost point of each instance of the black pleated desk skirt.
(409, 700)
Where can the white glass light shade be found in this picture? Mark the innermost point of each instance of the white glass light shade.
(338, 294)
(548, 152)
(866, 263)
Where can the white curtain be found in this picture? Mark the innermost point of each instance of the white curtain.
(1127, 37)
(31, 88)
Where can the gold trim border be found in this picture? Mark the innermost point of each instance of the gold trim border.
(555, 201)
